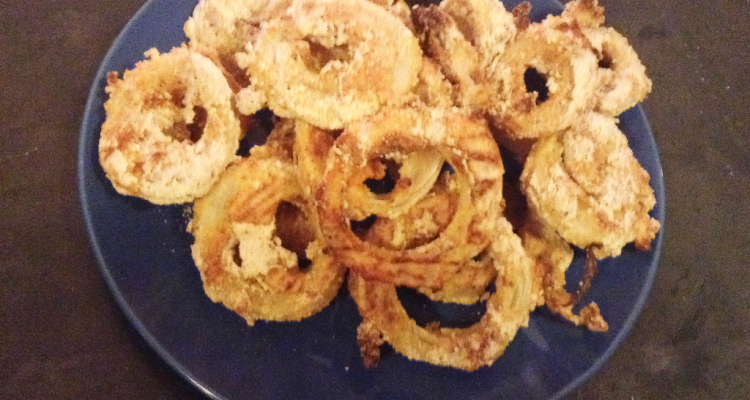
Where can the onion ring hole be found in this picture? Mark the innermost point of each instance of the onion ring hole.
(193, 131)
(361, 227)
(387, 183)
(426, 312)
(257, 133)
(321, 55)
(295, 232)
(606, 61)
(536, 82)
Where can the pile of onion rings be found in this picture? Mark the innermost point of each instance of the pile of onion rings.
(383, 166)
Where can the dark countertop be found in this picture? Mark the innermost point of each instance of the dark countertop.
(63, 336)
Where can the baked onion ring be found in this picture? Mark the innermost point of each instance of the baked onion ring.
(465, 143)
(461, 64)
(553, 256)
(168, 136)
(417, 225)
(622, 80)
(486, 24)
(469, 348)
(331, 62)
(564, 64)
(239, 248)
(223, 27)
(586, 184)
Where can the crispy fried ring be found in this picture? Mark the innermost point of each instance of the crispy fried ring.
(238, 218)
(419, 225)
(587, 185)
(384, 318)
(623, 81)
(223, 27)
(465, 143)
(331, 62)
(554, 256)
(168, 136)
(564, 61)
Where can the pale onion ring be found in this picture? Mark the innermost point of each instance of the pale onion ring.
(468, 348)
(623, 80)
(223, 27)
(168, 136)
(568, 65)
(587, 185)
(331, 62)
(238, 217)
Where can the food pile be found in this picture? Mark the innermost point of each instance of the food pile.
(384, 166)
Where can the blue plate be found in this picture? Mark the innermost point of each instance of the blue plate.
(144, 255)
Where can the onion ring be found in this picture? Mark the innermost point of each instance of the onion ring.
(168, 136)
(554, 255)
(465, 143)
(418, 225)
(468, 348)
(622, 77)
(237, 218)
(224, 27)
(443, 41)
(565, 64)
(486, 24)
(587, 185)
(341, 60)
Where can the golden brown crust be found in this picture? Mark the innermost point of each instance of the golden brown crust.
(168, 136)
(331, 62)
(464, 142)
(468, 348)
(588, 186)
(242, 259)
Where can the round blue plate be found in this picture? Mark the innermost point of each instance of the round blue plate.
(144, 255)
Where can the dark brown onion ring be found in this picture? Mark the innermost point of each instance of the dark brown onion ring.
(466, 144)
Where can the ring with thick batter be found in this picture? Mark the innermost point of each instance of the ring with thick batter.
(586, 184)
(516, 295)
(464, 142)
(242, 230)
(168, 135)
(331, 62)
